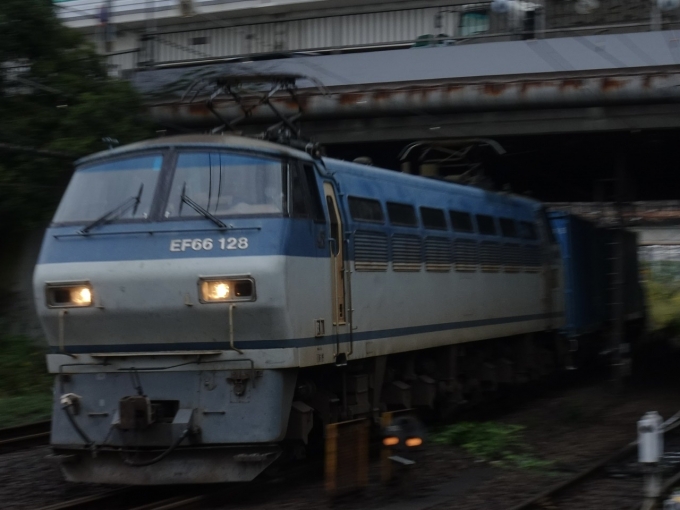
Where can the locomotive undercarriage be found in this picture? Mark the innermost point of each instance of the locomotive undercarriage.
(440, 380)
(444, 380)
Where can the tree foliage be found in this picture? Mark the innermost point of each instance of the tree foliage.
(55, 95)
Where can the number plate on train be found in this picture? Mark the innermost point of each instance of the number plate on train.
(208, 244)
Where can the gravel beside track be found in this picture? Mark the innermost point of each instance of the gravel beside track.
(28, 481)
(573, 429)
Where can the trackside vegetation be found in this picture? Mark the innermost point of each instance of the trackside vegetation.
(662, 284)
(58, 102)
(25, 385)
(497, 443)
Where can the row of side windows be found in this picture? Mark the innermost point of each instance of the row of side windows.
(374, 250)
(404, 215)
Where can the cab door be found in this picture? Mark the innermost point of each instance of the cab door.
(338, 287)
(552, 272)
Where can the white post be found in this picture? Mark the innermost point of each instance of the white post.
(650, 451)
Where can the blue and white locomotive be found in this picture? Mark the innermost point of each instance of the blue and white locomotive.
(212, 301)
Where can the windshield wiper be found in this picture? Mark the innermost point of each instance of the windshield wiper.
(199, 209)
(115, 212)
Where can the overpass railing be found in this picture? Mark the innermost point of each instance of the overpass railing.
(435, 25)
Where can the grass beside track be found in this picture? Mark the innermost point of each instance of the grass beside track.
(661, 281)
(25, 385)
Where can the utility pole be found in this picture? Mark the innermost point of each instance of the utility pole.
(618, 273)
(149, 35)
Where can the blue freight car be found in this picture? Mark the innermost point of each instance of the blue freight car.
(585, 281)
(588, 258)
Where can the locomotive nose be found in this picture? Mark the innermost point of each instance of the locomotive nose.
(168, 304)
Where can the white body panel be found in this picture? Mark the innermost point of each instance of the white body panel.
(427, 309)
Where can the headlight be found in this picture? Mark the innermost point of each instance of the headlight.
(220, 290)
(64, 295)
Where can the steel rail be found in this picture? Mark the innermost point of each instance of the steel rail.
(86, 502)
(142, 498)
(130, 498)
(175, 503)
(24, 435)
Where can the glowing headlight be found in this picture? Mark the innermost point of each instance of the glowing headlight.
(220, 290)
(69, 295)
(215, 291)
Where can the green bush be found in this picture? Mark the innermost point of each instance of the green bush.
(493, 442)
(25, 409)
(662, 286)
(25, 385)
(22, 365)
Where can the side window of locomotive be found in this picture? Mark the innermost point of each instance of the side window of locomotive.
(402, 214)
(365, 209)
(548, 228)
(508, 228)
(316, 212)
(226, 184)
(99, 188)
(304, 193)
(486, 225)
(527, 230)
(461, 222)
(433, 218)
(299, 206)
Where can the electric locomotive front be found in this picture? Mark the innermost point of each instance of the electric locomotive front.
(165, 287)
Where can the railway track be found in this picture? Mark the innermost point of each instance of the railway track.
(24, 436)
(180, 498)
(605, 481)
(137, 498)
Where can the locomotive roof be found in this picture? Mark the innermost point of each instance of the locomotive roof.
(418, 181)
(253, 144)
(214, 141)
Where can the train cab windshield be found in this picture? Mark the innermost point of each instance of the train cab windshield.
(199, 183)
(100, 188)
(226, 185)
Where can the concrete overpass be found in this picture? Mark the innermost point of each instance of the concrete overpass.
(620, 82)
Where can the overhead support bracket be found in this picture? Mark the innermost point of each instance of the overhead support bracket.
(251, 92)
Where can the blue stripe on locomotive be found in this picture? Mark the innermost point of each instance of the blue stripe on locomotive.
(277, 235)
(152, 241)
(358, 336)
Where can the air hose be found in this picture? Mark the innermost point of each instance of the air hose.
(68, 402)
(160, 457)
